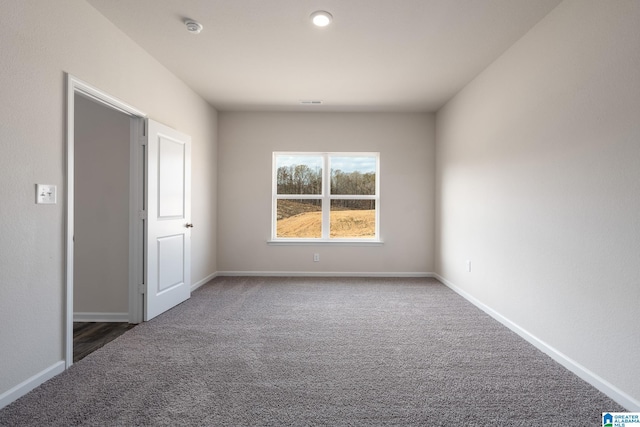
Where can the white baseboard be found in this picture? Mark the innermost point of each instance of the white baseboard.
(100, 317)
(26, 386)
(601, 384)
(203, 281)
(324, 274)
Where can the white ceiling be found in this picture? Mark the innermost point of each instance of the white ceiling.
(378, 55)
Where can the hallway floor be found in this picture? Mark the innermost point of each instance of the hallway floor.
(90, 336)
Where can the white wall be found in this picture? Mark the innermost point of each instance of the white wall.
(406, 146)
(39, 42)
(101, 232)
(539, 186)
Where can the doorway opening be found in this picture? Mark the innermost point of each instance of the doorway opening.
(104, 228)
(101, 225)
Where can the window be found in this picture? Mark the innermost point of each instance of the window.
(326, 196)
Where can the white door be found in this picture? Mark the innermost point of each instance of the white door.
(168, 227)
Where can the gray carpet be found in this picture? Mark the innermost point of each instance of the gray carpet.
(303, 351)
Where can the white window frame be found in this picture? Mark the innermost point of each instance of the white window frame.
(325, 197)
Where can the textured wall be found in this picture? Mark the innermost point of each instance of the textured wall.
(539, 186)
(406, 146)
(39, 42)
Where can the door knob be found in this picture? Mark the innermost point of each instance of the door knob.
(189, 225)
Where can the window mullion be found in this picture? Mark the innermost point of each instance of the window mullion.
(298, 196)
(354, 197)
(326, 199)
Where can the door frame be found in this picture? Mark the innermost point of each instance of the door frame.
(75, 86)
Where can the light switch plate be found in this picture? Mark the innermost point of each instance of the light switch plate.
(46, 194)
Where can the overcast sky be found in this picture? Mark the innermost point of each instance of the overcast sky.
(347, 164)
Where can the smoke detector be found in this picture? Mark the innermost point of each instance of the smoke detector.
(193, 27)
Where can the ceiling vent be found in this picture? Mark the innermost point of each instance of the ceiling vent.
(311, 102)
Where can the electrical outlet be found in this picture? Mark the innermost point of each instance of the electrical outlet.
(45, 194)
(469, 266)
(316, 257)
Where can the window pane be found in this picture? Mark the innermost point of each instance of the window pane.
(299, 218)
(299, 174)
(353, 219)
(353, 175)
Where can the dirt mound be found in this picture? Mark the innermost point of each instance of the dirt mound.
(344, 224)
(358, 223)
(289, 208)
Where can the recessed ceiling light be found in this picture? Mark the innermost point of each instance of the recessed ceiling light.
(321, 18)
(193, 27)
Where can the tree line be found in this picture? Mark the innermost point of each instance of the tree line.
(301, 179)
